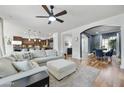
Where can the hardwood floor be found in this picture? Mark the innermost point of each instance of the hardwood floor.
(110, 74)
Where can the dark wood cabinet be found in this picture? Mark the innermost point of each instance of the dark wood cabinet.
(69, 51)
(32, 43)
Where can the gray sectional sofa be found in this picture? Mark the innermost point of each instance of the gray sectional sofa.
(39, 56)
(45, 56)
(9, 73)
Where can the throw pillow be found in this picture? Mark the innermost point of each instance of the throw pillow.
(39, 53)
(18, 56)
(27, 56)
(6, 67)
(34, 64)
(51, 53)
(23, 65)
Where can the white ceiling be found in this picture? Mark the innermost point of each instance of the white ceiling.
(103, 29)
(77, 15)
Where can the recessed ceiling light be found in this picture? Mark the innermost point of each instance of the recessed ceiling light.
(50, 34)
(97, 32)
(34, 40)
(29, 39)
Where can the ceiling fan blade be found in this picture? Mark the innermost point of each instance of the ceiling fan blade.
(46, 8)
(61, 13)
(49, 22)
(42, 16)
(59, 20)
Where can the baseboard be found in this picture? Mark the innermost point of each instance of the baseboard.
(121, 67)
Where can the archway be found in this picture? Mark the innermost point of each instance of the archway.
(103, 33)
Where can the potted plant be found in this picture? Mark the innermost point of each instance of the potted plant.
(112, 44)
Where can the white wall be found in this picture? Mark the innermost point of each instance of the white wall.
(1, 39)
(113, 21)
(84, 46)
(11, 29)
(67, 39)
(122, 47)
(57, 41)
(117, 45)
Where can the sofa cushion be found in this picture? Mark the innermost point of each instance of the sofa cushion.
(6, 67)
(9, 58)
(45, 59)
(35, 64)
(39, 53)
(41, 60)
(51, 52)
(27, 55)
(23, 65)
(18, 56)
(22, 75)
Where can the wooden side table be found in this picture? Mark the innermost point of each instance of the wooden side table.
(65, 56)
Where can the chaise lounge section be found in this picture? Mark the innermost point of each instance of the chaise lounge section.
(9, 73)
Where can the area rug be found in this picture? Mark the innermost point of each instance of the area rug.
(99, 64)
(83, 77)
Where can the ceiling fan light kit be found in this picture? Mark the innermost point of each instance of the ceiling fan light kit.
(52, 17)
(34, 40)
(29, 39)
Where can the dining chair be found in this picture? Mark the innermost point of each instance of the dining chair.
(99, 54)
(109, 54)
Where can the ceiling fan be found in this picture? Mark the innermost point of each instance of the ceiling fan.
(52, 17)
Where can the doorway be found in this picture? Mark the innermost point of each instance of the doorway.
(68, 44)
(101, 37)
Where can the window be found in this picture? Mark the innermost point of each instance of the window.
(105, 42)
